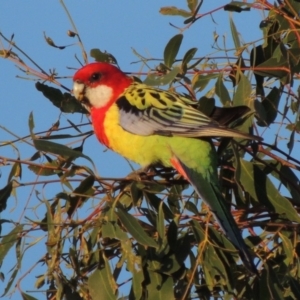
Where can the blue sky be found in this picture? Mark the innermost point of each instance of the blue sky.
(114, 26)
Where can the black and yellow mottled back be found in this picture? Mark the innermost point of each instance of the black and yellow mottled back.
(145, 110)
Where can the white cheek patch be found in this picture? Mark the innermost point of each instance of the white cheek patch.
(99, 96)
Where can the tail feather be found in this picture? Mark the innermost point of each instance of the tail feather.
(210, 193)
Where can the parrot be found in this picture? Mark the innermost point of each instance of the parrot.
(151, 126)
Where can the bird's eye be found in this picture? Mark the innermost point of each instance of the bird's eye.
(95, 77)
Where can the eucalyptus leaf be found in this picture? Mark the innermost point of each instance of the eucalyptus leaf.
(222, 91)
(174, 11)
(64, 101)
(157, 80)
(103, 278)
(262, 190)
(134, 228)
(171, 49)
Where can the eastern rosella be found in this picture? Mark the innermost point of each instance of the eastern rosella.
(148, 126)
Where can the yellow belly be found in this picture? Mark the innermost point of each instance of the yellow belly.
(146, 150)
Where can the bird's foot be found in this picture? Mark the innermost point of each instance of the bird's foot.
(138, 175)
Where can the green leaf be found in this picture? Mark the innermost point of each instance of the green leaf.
(259, 111)
(111, 229)
(171, 50)
(200, 81)
(237, 68)
(221, 91)
(174, 11)
(16, 171)
(198, 231)
(65, 151)
(191, 207)
(31, 124)
(270, 104)
(149, 214)
(189, 55)
(211, 259)
(219, 238)
(11, 281)
(189, 20)
(295, 286)
(46, 169)
(101, 283)
(195, 9)
(4, 195)
(161, 222)
(172, 233)
(270, 287)
(273, 68)
(64, 101)
(52, 238)
(174, 197)
(226, 257)
(238, 6)
(235, 34)
(135, 229)
(291, 142)
(288, 247)
(64, 136)
(209, 280)
(102, 56)
(192, 4)
(85, 185)
(27, 297)
(288, 178)
(9, 241)
(160, 286)
(137, 283)
(136, 193)
(134, 265)
(213, 265)
(242, 95)
(262, 190)
(156, 202)
(126, 199)
(39, 282)
(294, 126)
(81, 194)
(182, 250)
(156, 80)
(36, 156)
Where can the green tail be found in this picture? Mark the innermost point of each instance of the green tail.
(210, 193)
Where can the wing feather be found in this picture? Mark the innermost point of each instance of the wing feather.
(146, 111)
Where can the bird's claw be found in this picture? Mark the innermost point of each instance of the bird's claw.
(138, 175)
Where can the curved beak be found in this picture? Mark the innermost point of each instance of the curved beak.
(79, 90)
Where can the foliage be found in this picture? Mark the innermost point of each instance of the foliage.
(150, 226)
